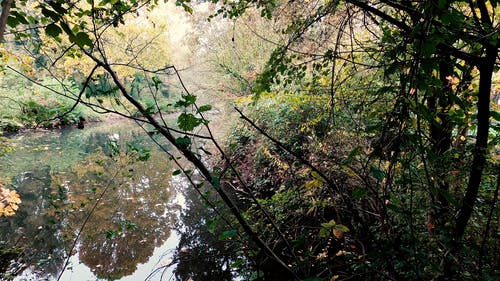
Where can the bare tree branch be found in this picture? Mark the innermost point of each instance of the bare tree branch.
(330, 182)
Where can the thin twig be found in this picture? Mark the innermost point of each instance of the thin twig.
(238, 175)
(330, 182)
(82, 91)
(190, 156)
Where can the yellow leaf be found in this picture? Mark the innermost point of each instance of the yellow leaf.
(340, 253)
(9, 201)
(322, 256)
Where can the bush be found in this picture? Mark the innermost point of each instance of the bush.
(48, 114)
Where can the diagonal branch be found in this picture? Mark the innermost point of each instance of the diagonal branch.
(238, 175)
(191, 157)
(282, 146)
(79, 98)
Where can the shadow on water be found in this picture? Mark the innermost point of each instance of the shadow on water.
(145, 220)
(200, 253)
(200, 247)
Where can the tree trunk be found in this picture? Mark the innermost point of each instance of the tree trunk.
(6, 4)
(441, 138)
(486, 67)
(483, 115)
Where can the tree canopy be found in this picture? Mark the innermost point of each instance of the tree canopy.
(372, 133)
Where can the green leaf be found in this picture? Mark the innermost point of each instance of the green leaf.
(329, 224)
(19, 17)
(341, 227)
(237, 263)
(212, 224)
(355, 152)
(377, 173)
(324, 232)
(186, 101)
(442, 4)
(449, 197)
(50, 14)
(216, 182)
(359, 193)
(326, 228)
(110, 234)
(176, 173)
(81, 39)
(187, 8)
(228, 234)
(394, 208)
(144, 155)
(57, 7)
(428, 48)
(156, 82)
(12, 21)
(150, 110)
(495, 115)
(256, 275)
(53, 30)
(319, 178)
(184, 141)
(66, 29)
(204, 108)
(187, 121)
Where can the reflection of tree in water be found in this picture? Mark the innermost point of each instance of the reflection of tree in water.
(126, 226)
(36, 232)
(201, 255)
(131, 219)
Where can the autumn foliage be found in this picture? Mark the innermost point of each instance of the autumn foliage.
(9, 201)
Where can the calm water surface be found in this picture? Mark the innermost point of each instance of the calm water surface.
(146, 218)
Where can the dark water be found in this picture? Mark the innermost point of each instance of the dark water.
(148, 224)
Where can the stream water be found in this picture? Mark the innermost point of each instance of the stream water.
(147, 226)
